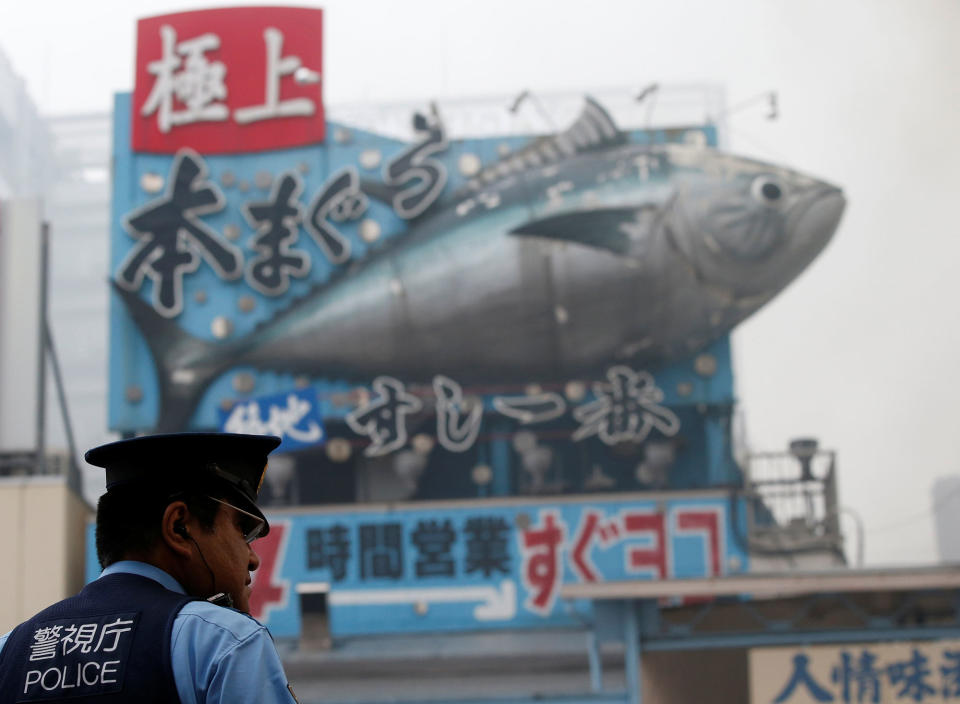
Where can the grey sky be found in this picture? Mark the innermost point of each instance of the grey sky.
(861, 351)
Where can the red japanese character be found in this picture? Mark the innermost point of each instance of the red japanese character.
(580, 556)
(542, 574)
(652, 559)
(269, 588)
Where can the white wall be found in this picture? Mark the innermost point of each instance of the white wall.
(44, 528)
(20, 222)
(946, 503)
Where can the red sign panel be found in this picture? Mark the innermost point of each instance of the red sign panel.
(229, 80)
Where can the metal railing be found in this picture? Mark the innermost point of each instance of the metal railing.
(792, 502)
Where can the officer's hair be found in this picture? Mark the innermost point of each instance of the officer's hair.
(128, 518)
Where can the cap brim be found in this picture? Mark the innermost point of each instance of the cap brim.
(242, 501)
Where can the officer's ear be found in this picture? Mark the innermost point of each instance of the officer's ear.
(173, 528)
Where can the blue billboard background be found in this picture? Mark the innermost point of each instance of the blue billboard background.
(489, 565)
(214, 307)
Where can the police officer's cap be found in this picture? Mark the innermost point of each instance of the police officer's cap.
(185, 460)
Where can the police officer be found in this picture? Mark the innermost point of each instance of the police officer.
(167, 620)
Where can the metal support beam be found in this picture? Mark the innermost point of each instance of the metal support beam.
(501, 464)
(596, 666)
(41, 418)
(631, 654)
(616, 698)
(73, 471)
(772, 586)
(774, 638)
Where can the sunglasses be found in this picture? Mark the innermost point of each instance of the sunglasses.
(251, 526)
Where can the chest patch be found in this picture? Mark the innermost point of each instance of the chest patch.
(77, 657)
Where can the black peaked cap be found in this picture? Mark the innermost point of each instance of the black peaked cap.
(179, 460)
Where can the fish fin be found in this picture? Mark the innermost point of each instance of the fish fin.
(185, 365)
(619, 230)
(593, 129)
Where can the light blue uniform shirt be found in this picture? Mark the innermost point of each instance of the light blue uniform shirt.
(219, 655)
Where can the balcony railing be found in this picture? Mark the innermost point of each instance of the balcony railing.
(792, 502)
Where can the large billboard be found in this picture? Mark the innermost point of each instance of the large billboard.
(482, 566)
(469, 295)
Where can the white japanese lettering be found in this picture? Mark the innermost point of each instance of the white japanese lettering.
(245, 418)
(45, 645)
(198, 85)
(112, 629)
(81, 637)
(279, 66)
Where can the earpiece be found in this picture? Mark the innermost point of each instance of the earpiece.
(218, 599)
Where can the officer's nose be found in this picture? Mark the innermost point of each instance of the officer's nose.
(254, 561)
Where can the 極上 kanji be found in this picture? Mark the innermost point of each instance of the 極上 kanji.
(278, 67)
(198, 84)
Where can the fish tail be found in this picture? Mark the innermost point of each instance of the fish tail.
(185, 365)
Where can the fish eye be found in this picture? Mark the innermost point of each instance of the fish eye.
(767, 190)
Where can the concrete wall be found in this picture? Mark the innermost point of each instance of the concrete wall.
(43, 524)
(20, 289)
(946, 518)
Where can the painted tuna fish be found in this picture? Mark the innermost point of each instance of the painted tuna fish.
(575, 252)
